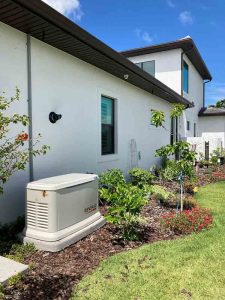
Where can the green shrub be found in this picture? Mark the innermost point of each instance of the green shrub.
(2, 292)
(140, 177)
(14, 279)
(19, 251)
(125, 206)
(161, 194)
(174, 168)
(111, 178)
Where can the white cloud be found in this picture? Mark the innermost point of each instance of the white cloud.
(186, 18)
(170, 3)
(67, 7)
(144, 35)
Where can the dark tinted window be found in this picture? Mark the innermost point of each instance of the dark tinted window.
(107, 121)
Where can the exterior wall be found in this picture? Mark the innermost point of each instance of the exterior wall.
(167, 67)
(13, 72)
(213, 126)
(198, 144)
(168, 70)
(73, 88)
(195, 94)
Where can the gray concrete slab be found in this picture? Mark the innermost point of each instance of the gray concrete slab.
(9, 268)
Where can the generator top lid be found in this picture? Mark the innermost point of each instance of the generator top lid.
(61, 182)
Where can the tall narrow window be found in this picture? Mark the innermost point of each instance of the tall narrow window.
(107, 120)
(195, 134)
(174, 131)
(188, 125)
(185, 77)
(147, 66)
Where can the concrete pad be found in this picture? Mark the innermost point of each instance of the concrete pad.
(9, 268)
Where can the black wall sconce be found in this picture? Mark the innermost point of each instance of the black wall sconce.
(53, 117)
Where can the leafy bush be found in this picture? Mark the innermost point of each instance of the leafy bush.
(15, 279)
(126, 203)
(188, 221)
(19, 251)
(14, 154)
(140, 177)
(111, 178)
(2, 292)
(174, 168)
(161, 194)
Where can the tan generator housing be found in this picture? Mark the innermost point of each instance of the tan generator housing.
(61, 210)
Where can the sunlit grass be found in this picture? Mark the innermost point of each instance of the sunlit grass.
(187, 268)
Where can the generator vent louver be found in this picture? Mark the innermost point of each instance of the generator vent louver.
(37, 215)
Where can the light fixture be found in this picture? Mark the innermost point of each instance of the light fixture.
(126, 76)
(53, 117)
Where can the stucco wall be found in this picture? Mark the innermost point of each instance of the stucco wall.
(69, 86)
(168, 70)
(73, 88)
(213, 126)
(195, 94)
(167, 67)
(13, 72)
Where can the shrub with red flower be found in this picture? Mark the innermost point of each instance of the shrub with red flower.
(187, 221)
(22, 137)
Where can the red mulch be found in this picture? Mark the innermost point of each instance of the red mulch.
(54, 275)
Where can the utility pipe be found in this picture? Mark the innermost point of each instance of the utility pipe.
(29, 102)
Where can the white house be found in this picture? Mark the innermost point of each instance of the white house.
(180, 66)
(105, 99)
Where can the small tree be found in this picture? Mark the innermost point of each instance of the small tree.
(158, 116)
(220, 103)
(14, 152)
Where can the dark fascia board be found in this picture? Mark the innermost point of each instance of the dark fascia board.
(91, 45)
(204, 113)
(186, 44)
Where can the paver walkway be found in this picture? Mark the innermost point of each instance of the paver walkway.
(9, 268)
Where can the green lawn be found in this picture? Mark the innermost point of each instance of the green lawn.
(187, 268)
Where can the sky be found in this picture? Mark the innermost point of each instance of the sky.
(126, 24)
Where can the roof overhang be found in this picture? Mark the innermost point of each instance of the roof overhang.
(207, 112)
(186, 44)
(42, 22)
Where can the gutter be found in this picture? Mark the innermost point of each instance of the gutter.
(29, 104)
(50, 16)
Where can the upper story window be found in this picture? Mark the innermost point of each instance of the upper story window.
(188, 125)
(148, 66)
(108, 125)
(185, 77)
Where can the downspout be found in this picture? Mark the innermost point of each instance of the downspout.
(29, 102)
(204, 83)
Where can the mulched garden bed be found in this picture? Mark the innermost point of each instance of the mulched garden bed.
(53, 275)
